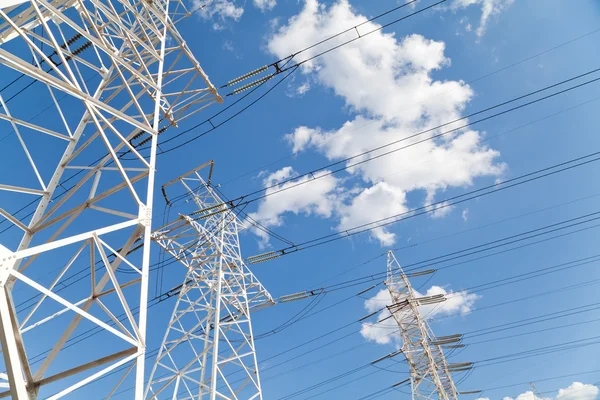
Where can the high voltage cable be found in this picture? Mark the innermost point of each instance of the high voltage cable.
(468, 82)
(253, 221)
(482, 77)
(241, 199)
(553, 328)
(345, 350)
(418, 266)
(523, 383)
(347, 283)
(570, 345)
(265, 360)
(295, 66)
(454, 234)
(291, 69)
(542, 380)
(311, 174)
(532, 320)
(486, 190)
(360, 280)
(152, 267)
(182, 196)
(161, 298)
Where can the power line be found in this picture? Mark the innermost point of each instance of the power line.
(455, 234)
(542, 380)
(468, 82)
(313, 174)
(426, 209)
(476, 79)
(338, 286)
(494, 329)
(570, 345)
(294, 67)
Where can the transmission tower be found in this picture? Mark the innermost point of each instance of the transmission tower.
(109, 73)
(208, 350)
(430, 373)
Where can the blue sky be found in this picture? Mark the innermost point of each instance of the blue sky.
(257, 138)
(415, 75)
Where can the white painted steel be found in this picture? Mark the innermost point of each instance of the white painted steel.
(114, 73)
(208, 350)
(429, 373)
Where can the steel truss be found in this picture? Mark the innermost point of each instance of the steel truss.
(111, 72)
(430, 373)
(208, 350)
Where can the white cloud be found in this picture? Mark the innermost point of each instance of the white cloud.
(302, 89)
(578, 391)
(489, 8)
(383, 332)
(265, 5)
(373, 204)
(465, 214)
(387, 84)
(386, 331)
(525, 396)
(319, 200)
(228, 45)
(294, 90)
(219, 11)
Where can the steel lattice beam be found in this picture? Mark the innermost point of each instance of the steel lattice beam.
(208, 350)
(429, 371)
(111, 71)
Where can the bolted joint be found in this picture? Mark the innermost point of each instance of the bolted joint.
(145, 216)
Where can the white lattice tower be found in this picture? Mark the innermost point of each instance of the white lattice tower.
(429, 371)
(110, 73)
(208, 350)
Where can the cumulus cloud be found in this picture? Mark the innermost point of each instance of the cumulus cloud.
(219, 11)
(525, 396)
(578, 391)
(387, 84)
(265, 5)
(373, 204)
(385, 329)
(319, 200)
(489, 8)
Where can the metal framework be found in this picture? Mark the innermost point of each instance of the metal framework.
(208, 350)
(430, 373)
(110, 72)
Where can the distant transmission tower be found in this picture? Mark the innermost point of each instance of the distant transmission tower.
(208, 350)
(106, 76)
(430, 373)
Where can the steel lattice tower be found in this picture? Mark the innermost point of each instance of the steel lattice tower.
(208, 350)
(112, 72)
(429, 371)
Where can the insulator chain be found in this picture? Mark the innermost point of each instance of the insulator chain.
(278, 69)
(80, 49)
(161, 130)
(63, 46)
(252, 84)
(248, 75)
